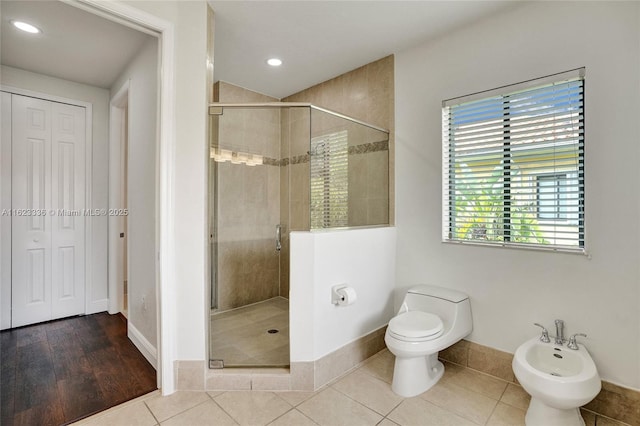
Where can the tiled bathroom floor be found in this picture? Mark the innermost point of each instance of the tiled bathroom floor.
(240, 337)
(361, 397)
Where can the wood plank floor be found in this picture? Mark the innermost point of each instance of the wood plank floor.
(60, 371)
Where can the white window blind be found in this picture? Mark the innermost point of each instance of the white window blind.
(513, 165)
(329, 180)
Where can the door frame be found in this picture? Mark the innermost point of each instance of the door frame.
(165, 166)
(117, 122)
(89, 305)
(5, 221)
(165, 184)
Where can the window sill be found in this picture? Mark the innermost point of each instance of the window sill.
(555, 249)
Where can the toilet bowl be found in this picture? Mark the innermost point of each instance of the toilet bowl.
(430, 319)
(559, 380)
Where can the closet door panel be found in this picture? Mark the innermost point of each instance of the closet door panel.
(30, 201)
(67, 200)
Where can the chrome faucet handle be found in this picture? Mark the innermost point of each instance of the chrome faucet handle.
(544, 337)
(572, 341)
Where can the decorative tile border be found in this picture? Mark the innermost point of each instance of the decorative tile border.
(365, 148)
(613, 401)
(268, 161)
(297, 159)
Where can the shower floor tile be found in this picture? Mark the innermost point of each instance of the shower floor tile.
(240, 337)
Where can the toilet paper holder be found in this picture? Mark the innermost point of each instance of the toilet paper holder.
(337, 296)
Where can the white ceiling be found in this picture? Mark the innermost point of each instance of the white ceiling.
(318, 40)
(74, 45)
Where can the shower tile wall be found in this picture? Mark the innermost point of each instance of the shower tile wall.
(248, 202)
(368, 180)
(366, 93)
(294, 171)
(295, 129)
(368, 171)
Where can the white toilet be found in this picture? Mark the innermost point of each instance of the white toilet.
(430, 319)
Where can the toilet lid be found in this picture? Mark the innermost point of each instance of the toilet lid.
(416, 324)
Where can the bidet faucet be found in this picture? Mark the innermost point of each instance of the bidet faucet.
(559, 332)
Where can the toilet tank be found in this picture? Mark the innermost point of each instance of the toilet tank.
(452, 306)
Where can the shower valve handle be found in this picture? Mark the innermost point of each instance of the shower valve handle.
(278, 237)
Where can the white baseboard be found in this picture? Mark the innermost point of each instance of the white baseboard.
(92, 308)
(144, 346)
(97, 306)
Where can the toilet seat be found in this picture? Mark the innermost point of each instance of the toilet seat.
(416, 326)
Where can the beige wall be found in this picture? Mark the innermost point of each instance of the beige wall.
(367, 94)
(248, 200)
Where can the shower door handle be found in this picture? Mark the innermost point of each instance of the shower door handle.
(278, 237)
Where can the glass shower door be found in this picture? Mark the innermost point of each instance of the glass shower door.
(249, 317)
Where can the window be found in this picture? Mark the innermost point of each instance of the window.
(329, 180)
(513, 165)
(556, 199)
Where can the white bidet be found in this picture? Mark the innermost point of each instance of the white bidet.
(559, 380)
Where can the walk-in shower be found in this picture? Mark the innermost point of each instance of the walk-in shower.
(276, 168)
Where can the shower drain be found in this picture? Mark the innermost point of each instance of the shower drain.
(272, 331)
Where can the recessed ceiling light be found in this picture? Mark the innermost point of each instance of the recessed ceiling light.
(274, 62)
(26, 27)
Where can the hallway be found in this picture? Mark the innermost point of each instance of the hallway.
(60, 371)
